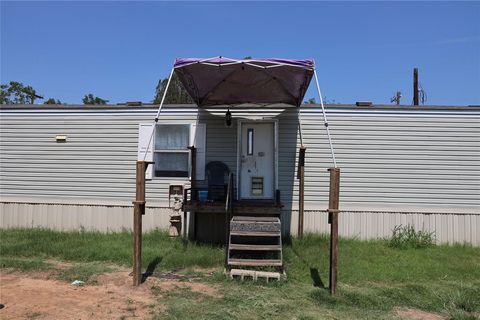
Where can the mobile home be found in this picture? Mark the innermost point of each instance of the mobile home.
(68, 167)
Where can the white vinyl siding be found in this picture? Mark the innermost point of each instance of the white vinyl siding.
(95, 165)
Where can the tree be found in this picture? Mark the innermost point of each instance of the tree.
(17, 93)
(325, 101)
(176, 92)
(90, 99)
(52, 101)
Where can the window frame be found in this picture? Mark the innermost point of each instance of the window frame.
(187, 151)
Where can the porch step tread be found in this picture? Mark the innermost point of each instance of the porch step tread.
(255, 247)
(255, 233)
(255, 262)
(246, 219)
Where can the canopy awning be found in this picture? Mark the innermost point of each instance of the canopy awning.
(224, 81)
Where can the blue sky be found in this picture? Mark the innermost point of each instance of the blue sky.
(363, 50)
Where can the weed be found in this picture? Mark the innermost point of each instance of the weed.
(407, 237)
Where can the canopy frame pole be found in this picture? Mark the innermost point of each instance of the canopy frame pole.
(158, 114)
(299, 116)
(325, 121)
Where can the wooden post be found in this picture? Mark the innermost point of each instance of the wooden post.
(333, 220)
(193, 194)
(138, 211)
(415, 86)
(185, 196)
(301, 187)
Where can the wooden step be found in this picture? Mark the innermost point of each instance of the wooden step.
(255, 219)
(255, 247)
(255, 262)
(255, 234)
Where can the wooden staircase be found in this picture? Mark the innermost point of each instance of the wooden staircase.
(254, 242)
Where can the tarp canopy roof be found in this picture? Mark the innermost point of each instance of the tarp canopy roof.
(225, 81)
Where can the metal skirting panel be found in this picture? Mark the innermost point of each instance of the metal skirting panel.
(79, 217)
(448, 228)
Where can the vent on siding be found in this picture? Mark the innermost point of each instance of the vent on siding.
(257, 186)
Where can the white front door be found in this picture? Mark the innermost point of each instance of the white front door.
(257, 160)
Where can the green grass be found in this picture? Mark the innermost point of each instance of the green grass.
(171, 253)
(374, 277)
(33, 264)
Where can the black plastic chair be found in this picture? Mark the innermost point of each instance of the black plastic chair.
(217, 179)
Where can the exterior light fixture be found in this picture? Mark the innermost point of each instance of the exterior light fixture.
(228, 118)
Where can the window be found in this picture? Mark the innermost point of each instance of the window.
(250, 142)
(171, 154)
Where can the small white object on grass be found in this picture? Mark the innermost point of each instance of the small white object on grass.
(78, 283)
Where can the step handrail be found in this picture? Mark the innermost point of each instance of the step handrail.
(228, 215)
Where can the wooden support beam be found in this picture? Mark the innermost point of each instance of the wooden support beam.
(333, 202)
(301, 187)
(138, 211)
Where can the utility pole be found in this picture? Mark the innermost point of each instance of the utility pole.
(415, 86)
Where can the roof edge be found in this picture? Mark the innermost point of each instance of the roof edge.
(303, 106)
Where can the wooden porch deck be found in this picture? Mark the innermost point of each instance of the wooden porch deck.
(240, 207)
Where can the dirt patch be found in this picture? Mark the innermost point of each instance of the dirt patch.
(167, 285)
(418, 314)
(35, 296)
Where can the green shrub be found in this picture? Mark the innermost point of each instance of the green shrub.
(407, 237)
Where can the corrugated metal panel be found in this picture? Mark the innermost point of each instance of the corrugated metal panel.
(76, 217)
(448, 228)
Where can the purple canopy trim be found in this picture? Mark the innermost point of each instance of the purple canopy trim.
(224, 81)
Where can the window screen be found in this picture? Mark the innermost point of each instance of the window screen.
(171, 150)
(172, 136)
